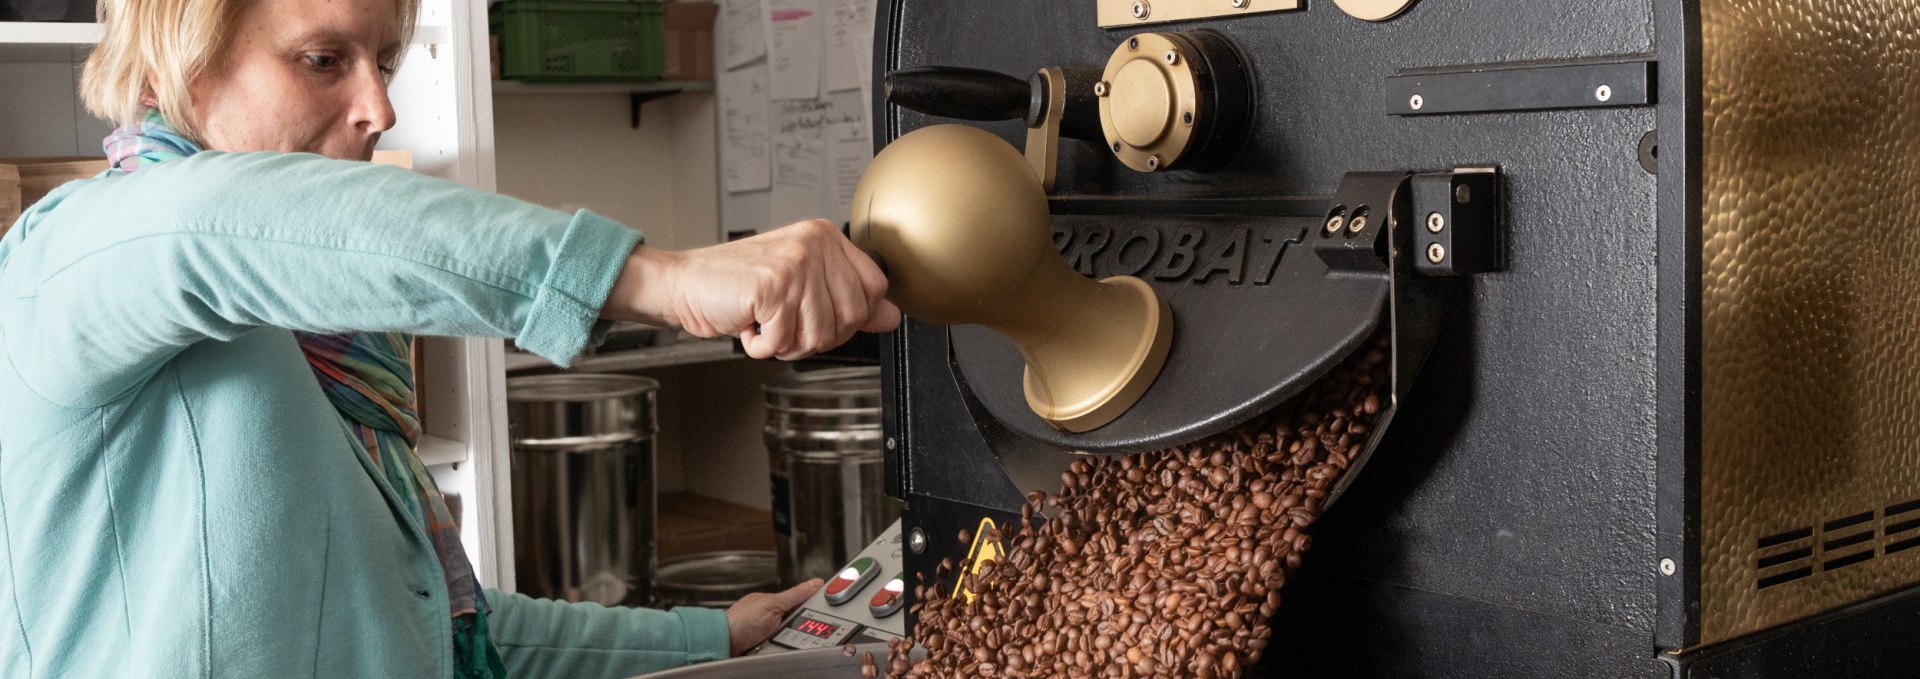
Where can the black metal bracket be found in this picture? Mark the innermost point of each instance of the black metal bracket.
(1522, 88)
(1395, 234)
(637, 99)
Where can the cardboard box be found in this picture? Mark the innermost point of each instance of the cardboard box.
(689, 27)
(37, 177)
(9, 197)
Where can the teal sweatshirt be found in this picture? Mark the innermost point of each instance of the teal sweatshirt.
(177, 496)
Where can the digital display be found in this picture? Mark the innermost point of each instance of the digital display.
(816, 628)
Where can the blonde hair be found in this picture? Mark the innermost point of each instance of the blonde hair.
(154, 49)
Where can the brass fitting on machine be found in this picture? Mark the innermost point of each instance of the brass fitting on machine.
(1174, 101)
(961, 220)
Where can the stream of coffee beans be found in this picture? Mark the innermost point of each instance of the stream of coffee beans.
(1161, 564)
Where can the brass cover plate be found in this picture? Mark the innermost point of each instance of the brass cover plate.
(1122, 13)
(1152, 101)
(1374, 10)
(1810, 303)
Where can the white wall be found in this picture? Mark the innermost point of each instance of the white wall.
(578, 151)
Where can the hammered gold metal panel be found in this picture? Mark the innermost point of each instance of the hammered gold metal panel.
(1810, 394)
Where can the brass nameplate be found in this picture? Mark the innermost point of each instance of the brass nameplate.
(1123, 13)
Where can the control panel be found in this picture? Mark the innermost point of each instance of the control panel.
(860, 604)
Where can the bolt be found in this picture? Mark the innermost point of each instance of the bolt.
(1153, 162)
(1172, 57)
(1436, 253)
(1187, 118)
(1238, 4)
(1133, 44)
(1357, 224)
(1116, 147)
(892, 444)
(1463, 194)
(1667, 567)
(1334, 223)
(1435, 222)
(1416, 102)
(1604, 93)
(1140, 9)
(917, 540)
(1100, 89)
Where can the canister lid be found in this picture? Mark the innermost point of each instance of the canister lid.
(715, 579)
(563, 388)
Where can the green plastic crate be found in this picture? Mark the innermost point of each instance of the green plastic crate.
(579, 40)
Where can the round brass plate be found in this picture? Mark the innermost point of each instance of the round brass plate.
(1374, 10)
(1148, 101)
(1143, 119)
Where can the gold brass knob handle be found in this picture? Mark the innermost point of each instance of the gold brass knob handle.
(962, 222)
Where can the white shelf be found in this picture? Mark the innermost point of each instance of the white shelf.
(46, 42)
(434, 450)
(48, 33)
(517, 88)
(683, 353)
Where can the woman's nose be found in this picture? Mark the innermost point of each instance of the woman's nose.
(372, 111)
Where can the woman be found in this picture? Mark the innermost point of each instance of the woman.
(206, 463)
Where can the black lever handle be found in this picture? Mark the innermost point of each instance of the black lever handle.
(962, 93)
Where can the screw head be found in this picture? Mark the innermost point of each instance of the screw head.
(1357, 224)
(1334, 223)
(1463, 194)
(1416, 102)
(1153, 162)
(1238, 4)
(892, 443)
(917, 540)
(1435, 222)
(1100, 89)
(1187, 117)
(1436, 253)
(1604, 93)
(1140, 9)
(1116, 147)
(1133, 44)
(1172, 57)
(1667, 567)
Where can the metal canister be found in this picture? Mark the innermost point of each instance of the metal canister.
(823, 439)
(583, 486)
(714, 579)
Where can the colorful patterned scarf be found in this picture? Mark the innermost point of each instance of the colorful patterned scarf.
(368, 377)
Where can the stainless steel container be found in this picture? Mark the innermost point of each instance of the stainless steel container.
(714, 579)
(823, 438)
(583, 486)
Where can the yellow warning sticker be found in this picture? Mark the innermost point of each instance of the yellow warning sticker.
(982, 551)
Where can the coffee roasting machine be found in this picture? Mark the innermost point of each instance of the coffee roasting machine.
(1651, 269)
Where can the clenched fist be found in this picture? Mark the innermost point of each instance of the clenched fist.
(788, 293)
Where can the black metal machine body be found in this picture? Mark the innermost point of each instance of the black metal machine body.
(1543, 504)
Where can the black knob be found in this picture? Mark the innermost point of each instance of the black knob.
(962, 93)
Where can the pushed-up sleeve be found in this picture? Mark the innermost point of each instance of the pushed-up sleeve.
(110, 278)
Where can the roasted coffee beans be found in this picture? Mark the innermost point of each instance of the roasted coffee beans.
(1162, 564)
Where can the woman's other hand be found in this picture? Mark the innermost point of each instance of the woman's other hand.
(788, 293)
(755, 617)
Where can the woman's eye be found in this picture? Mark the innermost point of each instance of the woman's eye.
(322, 62)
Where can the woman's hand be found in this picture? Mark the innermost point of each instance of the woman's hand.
(755, 617)
(787, 293)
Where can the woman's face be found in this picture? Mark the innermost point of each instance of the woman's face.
(302, 75)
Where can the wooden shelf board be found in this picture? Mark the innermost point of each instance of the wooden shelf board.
(683, 353)
(517, 88)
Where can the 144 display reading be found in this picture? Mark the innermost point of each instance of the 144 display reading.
(816, 628)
